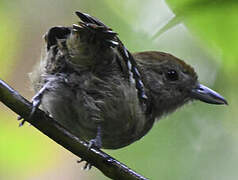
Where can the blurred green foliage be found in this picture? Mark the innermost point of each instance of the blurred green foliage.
(22, 149)
(9, 38)
(198, 142)
(215, 22)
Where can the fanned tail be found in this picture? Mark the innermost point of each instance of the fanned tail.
(93, 31)
(97, 29)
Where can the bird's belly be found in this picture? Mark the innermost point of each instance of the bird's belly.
(120, 118)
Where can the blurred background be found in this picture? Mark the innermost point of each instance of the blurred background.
(198, 142)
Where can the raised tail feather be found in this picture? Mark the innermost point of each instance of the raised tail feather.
(101, 33)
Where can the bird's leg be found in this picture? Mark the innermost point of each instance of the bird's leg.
(36, 101)
(97, 143)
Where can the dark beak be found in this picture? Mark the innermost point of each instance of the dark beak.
(207, 95)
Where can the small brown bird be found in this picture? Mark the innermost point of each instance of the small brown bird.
(90, 83)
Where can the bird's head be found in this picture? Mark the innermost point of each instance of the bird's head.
(171, 82)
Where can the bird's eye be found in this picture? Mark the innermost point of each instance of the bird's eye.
(172, 75)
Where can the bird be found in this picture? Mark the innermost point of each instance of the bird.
(97, 89)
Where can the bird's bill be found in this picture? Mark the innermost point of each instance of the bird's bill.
(207, 95)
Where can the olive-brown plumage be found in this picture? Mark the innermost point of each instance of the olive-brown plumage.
(90, 83)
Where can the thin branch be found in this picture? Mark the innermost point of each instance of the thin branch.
(105, 163)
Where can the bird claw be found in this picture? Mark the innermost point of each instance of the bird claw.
(22, 123)
(87, 166)
(95, 143)
(36, 100)
(19, 118)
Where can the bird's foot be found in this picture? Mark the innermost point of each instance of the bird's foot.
(93, 143)
(97, 141)
(36, 101)
(22, 121)
(87, 166)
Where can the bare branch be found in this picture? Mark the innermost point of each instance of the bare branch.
(105, 163)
